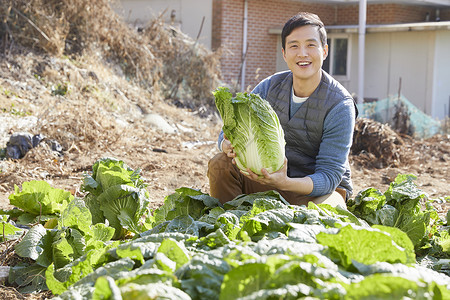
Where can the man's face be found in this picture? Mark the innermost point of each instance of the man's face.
(304, 53)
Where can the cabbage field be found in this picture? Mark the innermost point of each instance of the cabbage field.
(110, 245)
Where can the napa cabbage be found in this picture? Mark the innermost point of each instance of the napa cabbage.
(118, 194)
(254, 130)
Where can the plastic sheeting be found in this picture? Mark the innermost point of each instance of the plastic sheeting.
(21, 142)
(387, 111)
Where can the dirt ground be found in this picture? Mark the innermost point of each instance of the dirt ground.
(172, 160)
(169, 156)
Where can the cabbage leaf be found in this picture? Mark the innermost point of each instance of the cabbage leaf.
(38, 198)
(118, 194)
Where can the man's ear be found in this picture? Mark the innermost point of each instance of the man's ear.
(325, 51)
(284, 53)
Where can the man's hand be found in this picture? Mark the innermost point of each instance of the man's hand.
(276, 179)
(227, 148)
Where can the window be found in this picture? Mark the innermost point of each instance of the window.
(337, 63)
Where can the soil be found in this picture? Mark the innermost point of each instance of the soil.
(118, 120)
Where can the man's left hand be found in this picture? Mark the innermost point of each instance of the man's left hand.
(275, 179)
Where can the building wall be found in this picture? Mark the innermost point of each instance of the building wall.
(230, 31)
(216, 27)
(263, 15)
(441, 87)
(188, 15)
(387, 54)
(391, 66)
(386, 14)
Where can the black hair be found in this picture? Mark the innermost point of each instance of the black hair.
(302, 19)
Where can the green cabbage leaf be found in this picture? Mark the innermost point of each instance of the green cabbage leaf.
(116, 194)
(38, 201)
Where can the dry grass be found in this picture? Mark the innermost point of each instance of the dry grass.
(76, 27)
(162, 59)
(87, 77)
(377, 145)
(190, 71)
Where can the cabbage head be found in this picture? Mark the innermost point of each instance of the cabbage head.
(254, 130)
(118, 194)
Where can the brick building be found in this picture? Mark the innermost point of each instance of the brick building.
(265, 16)
(406, 41)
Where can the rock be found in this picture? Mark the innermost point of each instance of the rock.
(159, 123)
(4, 273)
(55, 146)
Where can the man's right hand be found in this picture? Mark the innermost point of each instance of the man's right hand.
(227, 148)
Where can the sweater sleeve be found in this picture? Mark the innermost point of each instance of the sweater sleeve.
(334, 149)
(262, 88)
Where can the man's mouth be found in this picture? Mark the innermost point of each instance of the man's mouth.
(303, 63)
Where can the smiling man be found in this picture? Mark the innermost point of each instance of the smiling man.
(317, 115)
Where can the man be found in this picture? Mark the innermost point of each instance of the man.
(317, 115)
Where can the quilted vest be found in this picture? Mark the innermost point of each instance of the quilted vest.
(303, 132)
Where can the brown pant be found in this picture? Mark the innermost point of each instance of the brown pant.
(226, 182)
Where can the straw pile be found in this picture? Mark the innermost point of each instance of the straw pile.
(189, 71)
(161, 59)
(377, 145)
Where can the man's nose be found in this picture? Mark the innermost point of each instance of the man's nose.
(302, 51)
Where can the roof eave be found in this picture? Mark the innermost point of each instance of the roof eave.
(421, 26)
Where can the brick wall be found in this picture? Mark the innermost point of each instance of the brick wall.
(444, 14)
(262, 46)
(216, 26)
(387, 14)
(232, 30)
(268, 14)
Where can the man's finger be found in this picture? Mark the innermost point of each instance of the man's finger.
(252, 174)
(265, 173)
